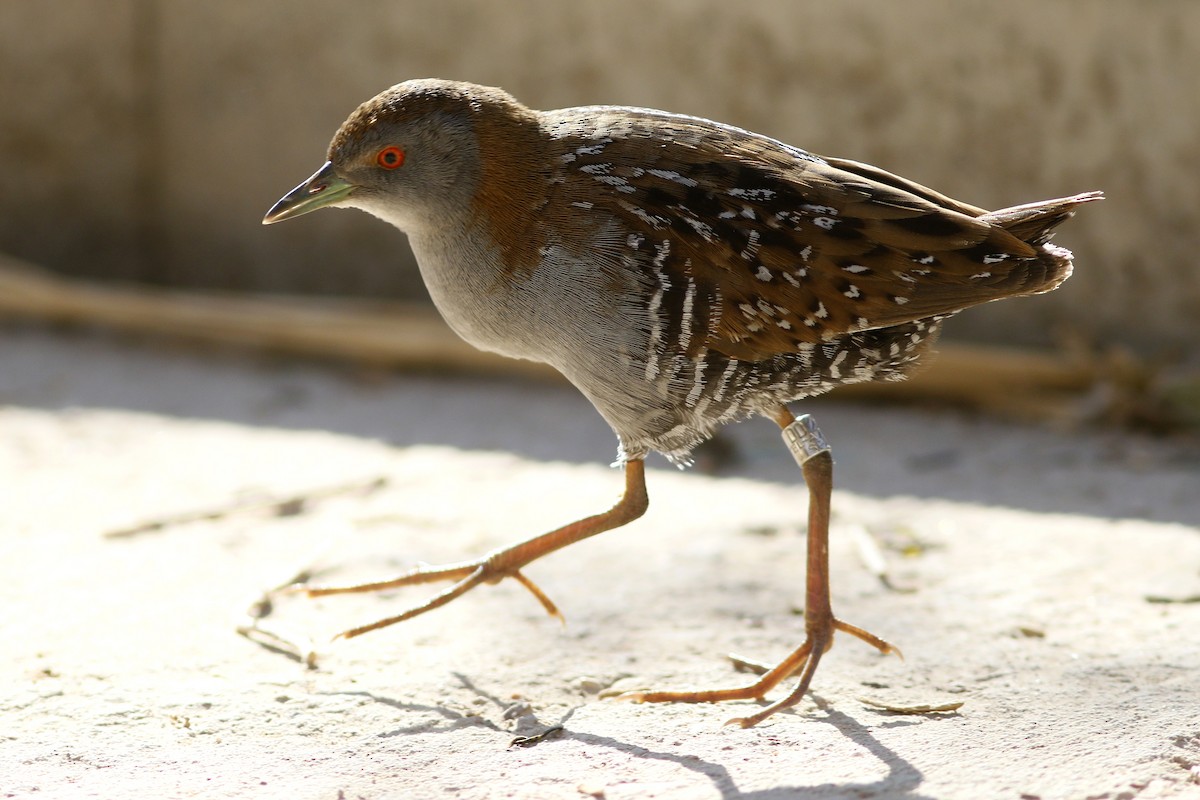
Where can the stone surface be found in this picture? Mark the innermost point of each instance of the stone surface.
(1022, 562)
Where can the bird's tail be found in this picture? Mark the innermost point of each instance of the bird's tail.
(1034, 223)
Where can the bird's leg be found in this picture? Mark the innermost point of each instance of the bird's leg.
(506, 562)
(805, 442)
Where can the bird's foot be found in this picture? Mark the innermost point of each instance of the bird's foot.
(506, 562)
(803, 661)
(466, 575)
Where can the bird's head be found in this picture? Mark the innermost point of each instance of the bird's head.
(409, 155)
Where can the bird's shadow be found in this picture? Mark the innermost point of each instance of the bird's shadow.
(901, 781)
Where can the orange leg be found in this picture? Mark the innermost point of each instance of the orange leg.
(806, 444)
(505, 562)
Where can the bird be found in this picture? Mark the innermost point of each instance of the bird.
(682, 274)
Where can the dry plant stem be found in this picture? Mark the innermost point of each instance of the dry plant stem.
(505, 562)
(819, 621)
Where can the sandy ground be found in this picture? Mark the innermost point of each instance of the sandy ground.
(1027, 569)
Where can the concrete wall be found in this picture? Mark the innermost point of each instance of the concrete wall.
(144, 139)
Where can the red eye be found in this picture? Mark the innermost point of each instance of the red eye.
(390, 157)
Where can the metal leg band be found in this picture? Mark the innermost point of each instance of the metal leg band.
(803, 438)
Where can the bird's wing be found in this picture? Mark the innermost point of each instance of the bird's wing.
(775, 247)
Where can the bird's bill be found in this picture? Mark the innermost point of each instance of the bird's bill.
(324, 188)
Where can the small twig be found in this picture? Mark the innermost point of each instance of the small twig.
(919, 709)
(869, 552)
(537, 738)
(278, 639)
(1158, 598)
(743, 664)
(278, 506)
